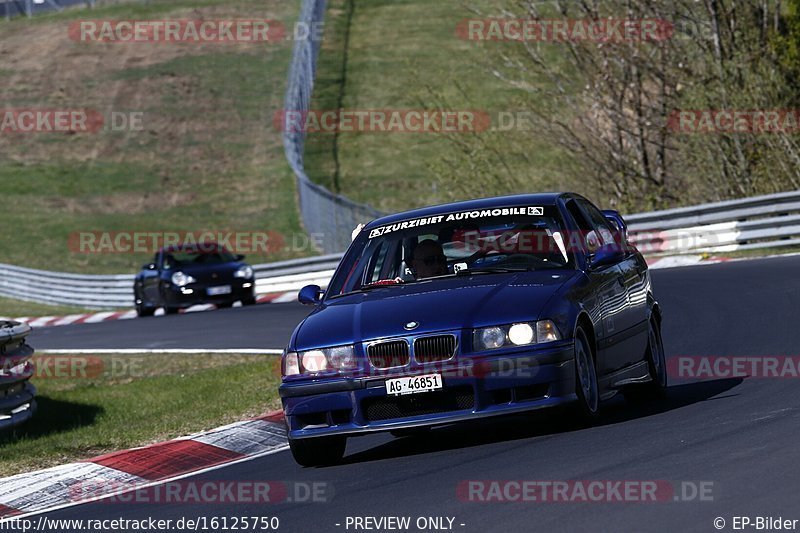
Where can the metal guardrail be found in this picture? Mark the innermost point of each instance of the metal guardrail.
(323, 213)
(758, 222)
(115, 291)
(17, 402)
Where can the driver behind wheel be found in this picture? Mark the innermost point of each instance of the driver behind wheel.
(428, 260)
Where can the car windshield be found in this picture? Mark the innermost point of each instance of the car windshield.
(181, 258)
(497, 240)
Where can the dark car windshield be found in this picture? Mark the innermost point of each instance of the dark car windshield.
(503, 240)
(181, 258)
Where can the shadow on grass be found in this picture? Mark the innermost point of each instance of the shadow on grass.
(52, 416)
(539, 423)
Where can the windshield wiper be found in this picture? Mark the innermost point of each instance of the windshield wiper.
(492, 270)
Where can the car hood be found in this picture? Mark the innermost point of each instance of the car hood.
(437, 305)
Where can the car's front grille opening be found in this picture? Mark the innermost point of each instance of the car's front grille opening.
(531, 392)
(426, 403)
(340, 416)
(431, 349)
(324, 419)
(388, 354)
(311, 420)
(501, 396)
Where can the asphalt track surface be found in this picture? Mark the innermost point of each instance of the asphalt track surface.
(740, 434)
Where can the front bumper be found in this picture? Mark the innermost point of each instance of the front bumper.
(472, 388)
(17, 407)
(197, 293)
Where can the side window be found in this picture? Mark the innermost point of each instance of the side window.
(384, 262)
(599, 222)
(586, 237)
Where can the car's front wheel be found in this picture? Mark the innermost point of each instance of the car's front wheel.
(586, 387)
(141, 309)
(656, 365)
(318, 451)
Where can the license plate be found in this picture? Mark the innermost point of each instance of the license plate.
(413, 384)
(216, 291)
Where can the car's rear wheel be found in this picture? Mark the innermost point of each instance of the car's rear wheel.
(249, 301)
(170, 310)
(225, 305)
(586, 387)
(318, 451)
(657, 367)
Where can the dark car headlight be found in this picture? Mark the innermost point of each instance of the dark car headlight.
(245, 272)
(181, 280)
(332, 359)
(518, 334)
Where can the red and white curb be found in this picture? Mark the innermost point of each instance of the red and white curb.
(105, 316)
(139, 468)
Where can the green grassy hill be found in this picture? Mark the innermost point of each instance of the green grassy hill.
(208, 157)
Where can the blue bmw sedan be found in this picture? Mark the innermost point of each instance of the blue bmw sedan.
(472, 309)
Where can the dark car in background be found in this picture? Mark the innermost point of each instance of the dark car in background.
(183, 276)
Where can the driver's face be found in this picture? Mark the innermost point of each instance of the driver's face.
(429, 261)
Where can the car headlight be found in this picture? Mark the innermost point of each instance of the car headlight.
(245, 272)
(181, 280)
(519, 334)
(322, 360)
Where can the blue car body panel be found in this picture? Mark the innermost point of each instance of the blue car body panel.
(614, 303)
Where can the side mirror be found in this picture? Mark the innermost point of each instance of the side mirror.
(239, 257)
(309, 295)
(149, 266)
(608, 254)
(618, 222)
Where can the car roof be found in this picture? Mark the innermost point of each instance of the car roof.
(539, 199)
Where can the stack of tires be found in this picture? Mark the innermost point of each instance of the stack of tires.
(17, 403)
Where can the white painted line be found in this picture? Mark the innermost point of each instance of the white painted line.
(125, 351)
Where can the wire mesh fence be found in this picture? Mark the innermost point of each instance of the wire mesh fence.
(331, 215)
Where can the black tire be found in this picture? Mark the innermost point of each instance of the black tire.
(249, 301)
(141, 309)
(170, 310)
(225, 305)
(657, 366)
(319, 451)
(587, 408)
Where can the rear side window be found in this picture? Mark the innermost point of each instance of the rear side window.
(599, 223)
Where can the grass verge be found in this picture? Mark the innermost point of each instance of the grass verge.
(101, 404)
(205, 158)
